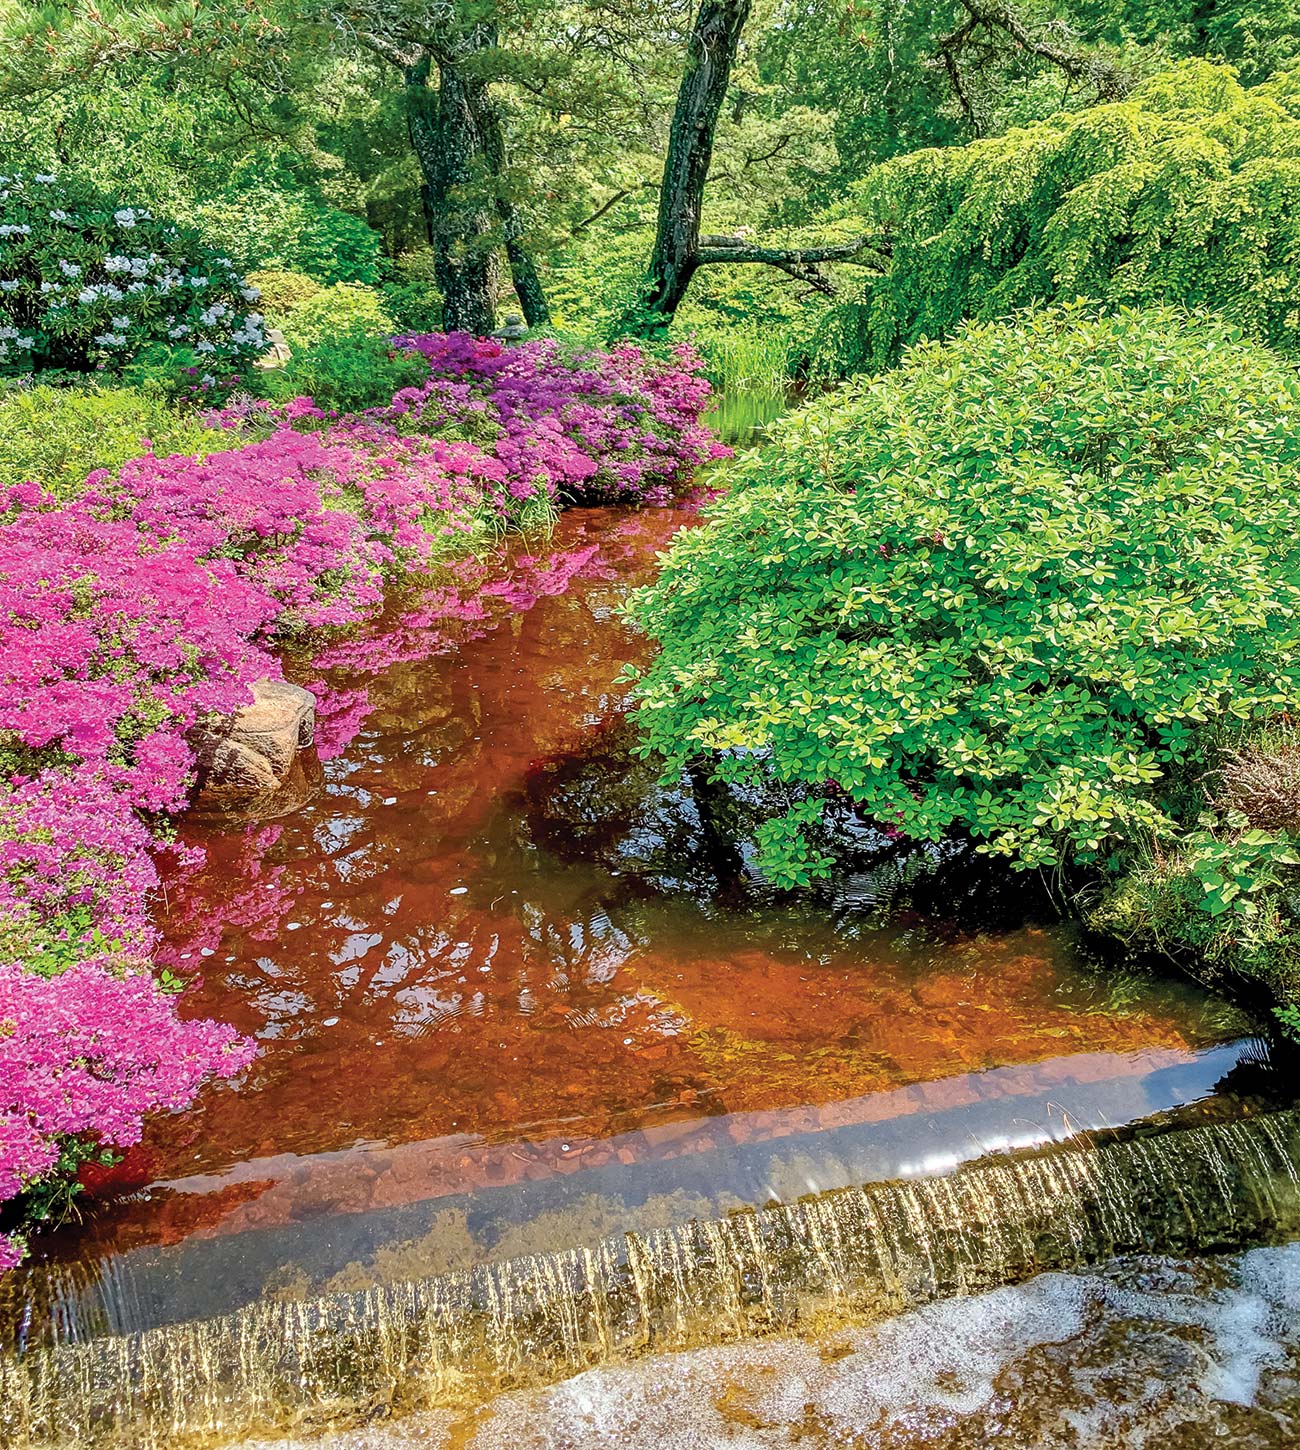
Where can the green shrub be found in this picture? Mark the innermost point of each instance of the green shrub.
(1223, 899)
(283, 292)
(88, 281)
(333, 311)
(56, 436)
(1223, 903)
(1018, 588)
(348, 372)
(266, 226)
(411, 295)
(1184, 192)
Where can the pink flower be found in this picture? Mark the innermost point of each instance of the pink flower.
(158, 597)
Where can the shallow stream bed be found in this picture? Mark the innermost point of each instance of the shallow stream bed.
(513, 1001)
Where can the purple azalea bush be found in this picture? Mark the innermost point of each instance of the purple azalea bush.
(154, 599)
(602, 427)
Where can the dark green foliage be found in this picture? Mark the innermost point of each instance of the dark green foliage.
(410, 294)
(1187, 192)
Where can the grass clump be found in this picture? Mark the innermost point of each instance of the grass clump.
(54, 437)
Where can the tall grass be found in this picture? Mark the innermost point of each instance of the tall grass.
(746, 359)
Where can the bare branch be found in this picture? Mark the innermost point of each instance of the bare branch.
(621, 195)
(403, 57)
(1052, 43)
(737, 249)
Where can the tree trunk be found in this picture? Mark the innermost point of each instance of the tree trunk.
(709, 58)
(444, 135)
(523, 271)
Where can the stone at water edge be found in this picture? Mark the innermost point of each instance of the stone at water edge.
(252, 752)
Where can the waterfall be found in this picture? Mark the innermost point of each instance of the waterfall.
(846, 1255)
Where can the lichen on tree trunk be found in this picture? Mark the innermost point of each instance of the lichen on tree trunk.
(710, 56)
(460, 220)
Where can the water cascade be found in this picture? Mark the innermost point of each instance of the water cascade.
(847, 1255)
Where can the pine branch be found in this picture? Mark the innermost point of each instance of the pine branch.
(987, 18)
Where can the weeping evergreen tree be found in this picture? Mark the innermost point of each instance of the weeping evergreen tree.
(1185, 191)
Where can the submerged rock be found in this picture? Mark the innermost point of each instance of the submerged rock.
(261, 753)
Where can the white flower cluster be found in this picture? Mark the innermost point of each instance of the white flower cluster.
(20, 340)
(136, 266)
(252, 332)
(97, 295)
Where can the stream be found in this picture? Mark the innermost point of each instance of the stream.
(548, 1080)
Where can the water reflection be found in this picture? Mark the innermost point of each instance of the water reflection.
(496, 938)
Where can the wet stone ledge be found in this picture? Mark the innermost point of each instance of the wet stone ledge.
(854, 1255)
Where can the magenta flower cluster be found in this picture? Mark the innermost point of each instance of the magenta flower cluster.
(591, 427)
(155, 598)
(91, 1052)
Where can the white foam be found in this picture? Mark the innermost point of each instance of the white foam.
(906, 1380)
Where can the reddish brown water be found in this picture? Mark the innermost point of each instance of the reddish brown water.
(492, 951)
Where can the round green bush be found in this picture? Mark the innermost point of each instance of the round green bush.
(282, 292)
(1020, 587)
(333, 311)
(88, 281)
(347, 371)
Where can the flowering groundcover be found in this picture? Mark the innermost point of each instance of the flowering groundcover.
(154, 599)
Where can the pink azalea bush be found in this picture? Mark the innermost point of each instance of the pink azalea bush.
(594, 427)
(91, 1052)
(155, 598)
